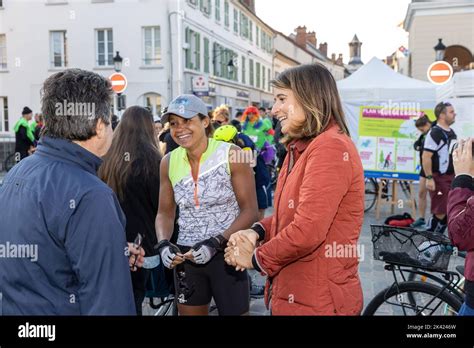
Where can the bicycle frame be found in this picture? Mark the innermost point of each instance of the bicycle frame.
(455, 288)
(450, 285)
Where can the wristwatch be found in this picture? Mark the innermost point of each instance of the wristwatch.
(429, 177)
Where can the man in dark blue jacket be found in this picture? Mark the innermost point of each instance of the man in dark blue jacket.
(62, 233)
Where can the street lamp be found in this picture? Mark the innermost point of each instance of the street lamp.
(118, 62)
(230, 67)
(440, 49)
(230, 64)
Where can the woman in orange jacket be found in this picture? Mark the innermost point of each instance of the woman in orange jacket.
(308, 248)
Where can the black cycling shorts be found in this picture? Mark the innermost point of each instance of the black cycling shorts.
(216, 279)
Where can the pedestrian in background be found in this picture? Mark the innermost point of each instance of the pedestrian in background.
(24, 137)
(220, 116)
(39, 126)
(423, 124)
(438, 164)
(131, 168)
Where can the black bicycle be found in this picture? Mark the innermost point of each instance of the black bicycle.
(10, 161)
(409, 251)
(457, 289)
(372, 188)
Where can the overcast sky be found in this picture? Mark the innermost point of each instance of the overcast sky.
(336, 21)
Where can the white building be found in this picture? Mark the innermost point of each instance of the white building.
(164, 43)
(227, 46)
(427, 22)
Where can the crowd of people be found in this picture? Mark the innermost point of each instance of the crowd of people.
(104, 196)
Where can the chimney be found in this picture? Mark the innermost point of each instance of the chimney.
(339, 60)
(301, 36)
(311, 38)
(333, 58)
(250, 4)
(323, 47)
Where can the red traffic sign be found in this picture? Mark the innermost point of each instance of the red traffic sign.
(440, 72)
(119, 82)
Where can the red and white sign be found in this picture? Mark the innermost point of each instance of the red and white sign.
(440, 72)
(201, 85)
(119, 82)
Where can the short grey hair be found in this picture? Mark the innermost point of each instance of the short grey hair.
(72, 103)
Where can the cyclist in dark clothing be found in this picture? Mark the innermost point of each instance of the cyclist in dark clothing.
(135, 179)
(24, 137)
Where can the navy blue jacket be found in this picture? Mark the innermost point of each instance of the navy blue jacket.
(54, 200)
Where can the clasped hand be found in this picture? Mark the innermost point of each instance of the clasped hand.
(238, 253)
(240, 249)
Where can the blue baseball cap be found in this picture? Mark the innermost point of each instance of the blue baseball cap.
(186, 106)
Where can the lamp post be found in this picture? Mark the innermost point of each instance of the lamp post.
(230, 64)
(117, 62)
(120, 98)
(440, 49)
(230, 67)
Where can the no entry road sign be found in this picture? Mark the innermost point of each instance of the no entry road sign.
(119, 82)
(440, 72)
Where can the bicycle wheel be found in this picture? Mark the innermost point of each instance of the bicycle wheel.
(166, 307)
(9, 162)
(428, 299)
(371, 188)
(454, 289)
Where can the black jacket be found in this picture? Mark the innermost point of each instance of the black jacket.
(140, 205)
(22, 142)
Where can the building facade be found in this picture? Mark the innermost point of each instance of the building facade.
(57, 35)
(449, 20)
(166, 45)
(227, 54)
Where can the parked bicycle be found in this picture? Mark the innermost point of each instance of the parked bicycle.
(372, 188)
(457, 290)
(159, 293)
(423, 254)
(10, 161)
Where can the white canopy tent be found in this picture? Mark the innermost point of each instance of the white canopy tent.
(376, 84)
(459, 91)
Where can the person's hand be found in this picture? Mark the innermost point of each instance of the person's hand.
(202, 252)
(170, 254)
(240, 251)
(136, 256)
(31, 150)
(462, 158)
(250, 234)
(430, 184)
